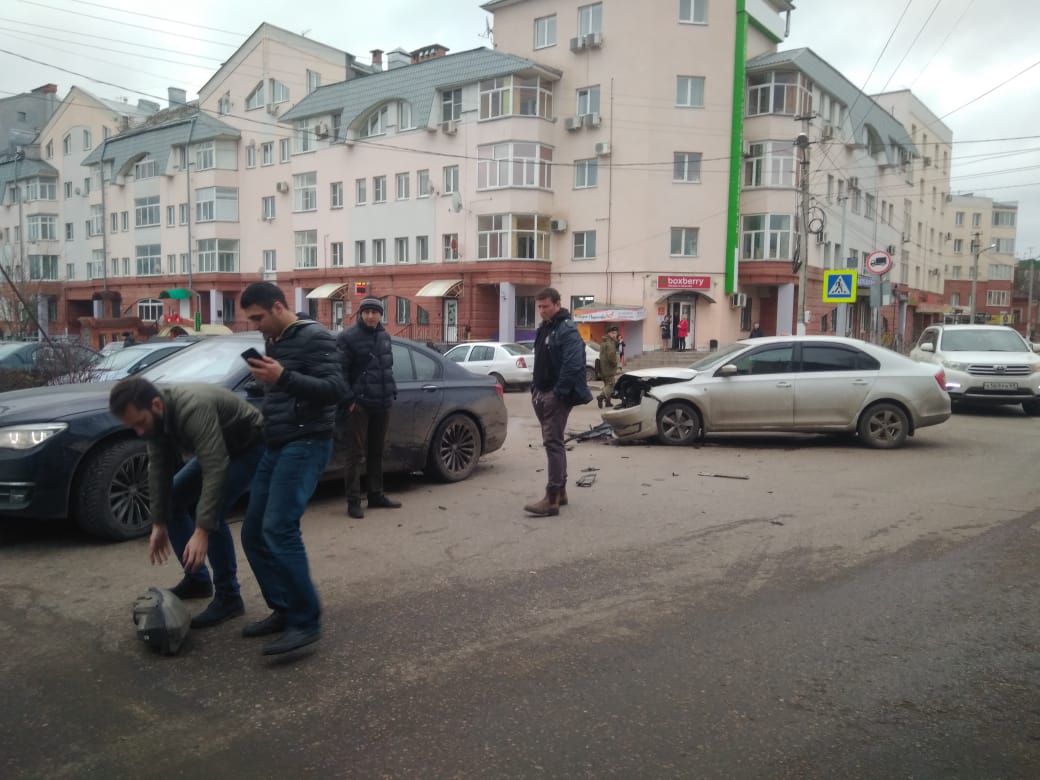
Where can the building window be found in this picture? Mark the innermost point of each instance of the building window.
(998, 297)
(766, 237)
(404, 307)
(255, 98)
(149, 260)
(770, 164)
(146, 169)
(50, 150)
(184, 212)
(224, 104)
(580, 301)
(584, 244)
(284, 149)
(422, 249)
(171, 216)
(689, 91)
(66, 144)
(376, 124)
(525, 312)
(586, 173)
(512, 236)
(305, 191)
(41, 189)
(403, 182)
(305, 135)
(313, 80)
(359, 253)
(379, 251)
(1001, 272)
(267, 153)
(279, 92)
(146, 212)
(43, 228)
(205, 156)
(588, 100)
(360, 192)
(545, 31)
(336, 195)
(686, 167)
(216, 204)
(423, 186)
(779, 93)
(96, 223)
(512, 165)
(693, 11)
(1003, 219)
(955, 272)
(515, 96)
(336, 249)
(218, 256)
(306, 247)
(404, 115)
(451, 179)
(451, 105)
(684, 242)
(379, 189)
(958, 246)
(43, 267)
(70, 231)
(1004, 246)
(401, 250)
(450, 244)
(251, 156)
(270, 261)
(590, 19)
(267, 208)
(68, 190)
(869, 205)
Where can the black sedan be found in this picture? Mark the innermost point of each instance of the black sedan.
(62, 454)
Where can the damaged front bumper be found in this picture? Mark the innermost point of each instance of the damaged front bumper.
(636, 417)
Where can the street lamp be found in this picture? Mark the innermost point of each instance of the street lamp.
(976, 250)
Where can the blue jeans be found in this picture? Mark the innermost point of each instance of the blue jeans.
(184, 498)
(284, 482)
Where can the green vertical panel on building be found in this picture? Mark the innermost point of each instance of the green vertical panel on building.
(736, 146)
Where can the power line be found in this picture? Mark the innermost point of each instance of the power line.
(944, 40)
(911, 46)
(989, 91)
(159, 18)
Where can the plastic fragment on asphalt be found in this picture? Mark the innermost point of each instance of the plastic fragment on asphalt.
(721, 476)
(590, 468)
(585, 480)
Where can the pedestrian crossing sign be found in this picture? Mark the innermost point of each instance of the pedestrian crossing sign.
(839, 286)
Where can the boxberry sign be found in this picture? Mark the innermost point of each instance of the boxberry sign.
(683, 282)
(879, 262)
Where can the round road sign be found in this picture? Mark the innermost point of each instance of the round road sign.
(879, 262)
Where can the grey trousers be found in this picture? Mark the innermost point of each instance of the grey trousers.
(552, 413)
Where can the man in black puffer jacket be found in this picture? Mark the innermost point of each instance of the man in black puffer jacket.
(303, 386)
(368, 370)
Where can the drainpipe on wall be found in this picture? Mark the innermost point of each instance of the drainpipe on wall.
(610, 196)
(104, 229)
(187, 181)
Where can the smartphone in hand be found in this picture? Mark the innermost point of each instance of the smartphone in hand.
(252, 354)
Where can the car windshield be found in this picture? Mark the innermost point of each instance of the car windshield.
(718, 358)
(983, 341)
(516, 349)
(6, 350)
(216, 360)
(123, 358)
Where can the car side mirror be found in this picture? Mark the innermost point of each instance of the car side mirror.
(727, 370)
(927, 347)
(254, 389)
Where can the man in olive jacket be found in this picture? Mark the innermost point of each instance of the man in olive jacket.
(608, 365)
(189, 503)
(367, 357)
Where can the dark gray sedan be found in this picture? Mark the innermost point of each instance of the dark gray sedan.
(62, 454)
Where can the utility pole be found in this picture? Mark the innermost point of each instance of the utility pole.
(976, 250)
(802, 142)
(1029, 305)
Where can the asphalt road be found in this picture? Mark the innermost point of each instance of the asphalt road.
(840, 612)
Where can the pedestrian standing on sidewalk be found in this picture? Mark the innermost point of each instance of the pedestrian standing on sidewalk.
(303, 386)
(368, 370)
(666, 332)
(559, 383)
(608, 365)
(190, 503)
(682, 332)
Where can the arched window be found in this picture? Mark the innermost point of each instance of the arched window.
(150, 309)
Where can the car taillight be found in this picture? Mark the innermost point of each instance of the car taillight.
(501, 392)
(941, 379)
(521, 363)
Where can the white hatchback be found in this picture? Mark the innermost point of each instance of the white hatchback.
(510, 364)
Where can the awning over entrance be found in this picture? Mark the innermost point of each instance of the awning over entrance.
(177, 294)
(684, 294)
(326, 290)
(440, 288)
(609, 312)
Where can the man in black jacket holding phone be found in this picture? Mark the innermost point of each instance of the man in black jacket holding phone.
(368, 369)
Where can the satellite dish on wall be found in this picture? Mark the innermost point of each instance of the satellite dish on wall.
(456, 202)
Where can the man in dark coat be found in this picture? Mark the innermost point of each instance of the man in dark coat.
(303, 386)
(367, 359)
(559, 383)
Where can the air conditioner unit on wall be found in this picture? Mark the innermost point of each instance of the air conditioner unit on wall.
(891, 249)
(738, 300)
(578, 43)
(592, 120)
(322, 130)
(602, 149)
(272, 109)
(853, 182)
(594, 40)
(572, 123)
(827, 131)
(282, 186)
(557, 225)
(450, 127)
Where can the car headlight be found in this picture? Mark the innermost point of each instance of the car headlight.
(25, 437)
(955, 365)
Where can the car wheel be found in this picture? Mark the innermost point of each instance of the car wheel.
(678, 423)
(1032, 408)
(884, 427)
(113, 491)
(455, 449)
(590, 374)
(501, 381)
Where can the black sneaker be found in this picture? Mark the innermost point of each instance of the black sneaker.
(219, 610)
(272, 624)
(293, 639)
(354, 510)
(189, 588)
(382, 501)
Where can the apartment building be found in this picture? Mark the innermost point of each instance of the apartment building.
(23, 116)
(981, 235)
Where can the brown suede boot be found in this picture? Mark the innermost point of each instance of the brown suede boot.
(547, 507)
(563, 496)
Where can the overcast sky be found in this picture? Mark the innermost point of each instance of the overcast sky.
(950, 52)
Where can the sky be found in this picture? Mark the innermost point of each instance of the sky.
(951, 53)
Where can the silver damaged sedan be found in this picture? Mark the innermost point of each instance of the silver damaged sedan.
(803, 384)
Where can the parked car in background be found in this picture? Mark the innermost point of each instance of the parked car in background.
(130, 360)
(36, 363)
(984, 364)
(807, 384)
(591, 358)
(62, 454)
(510, 364)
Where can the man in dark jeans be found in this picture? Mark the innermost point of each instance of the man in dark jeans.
(304, 384)
(558, 384)
(190, 503)
(368, 370)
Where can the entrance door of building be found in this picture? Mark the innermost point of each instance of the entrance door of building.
(451, 320)
(682, 309)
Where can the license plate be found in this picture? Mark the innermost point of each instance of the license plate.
(1000, 385)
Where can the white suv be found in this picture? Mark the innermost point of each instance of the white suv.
(985, 364)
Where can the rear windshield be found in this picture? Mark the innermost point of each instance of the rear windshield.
(516, 349)
(982, 341)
